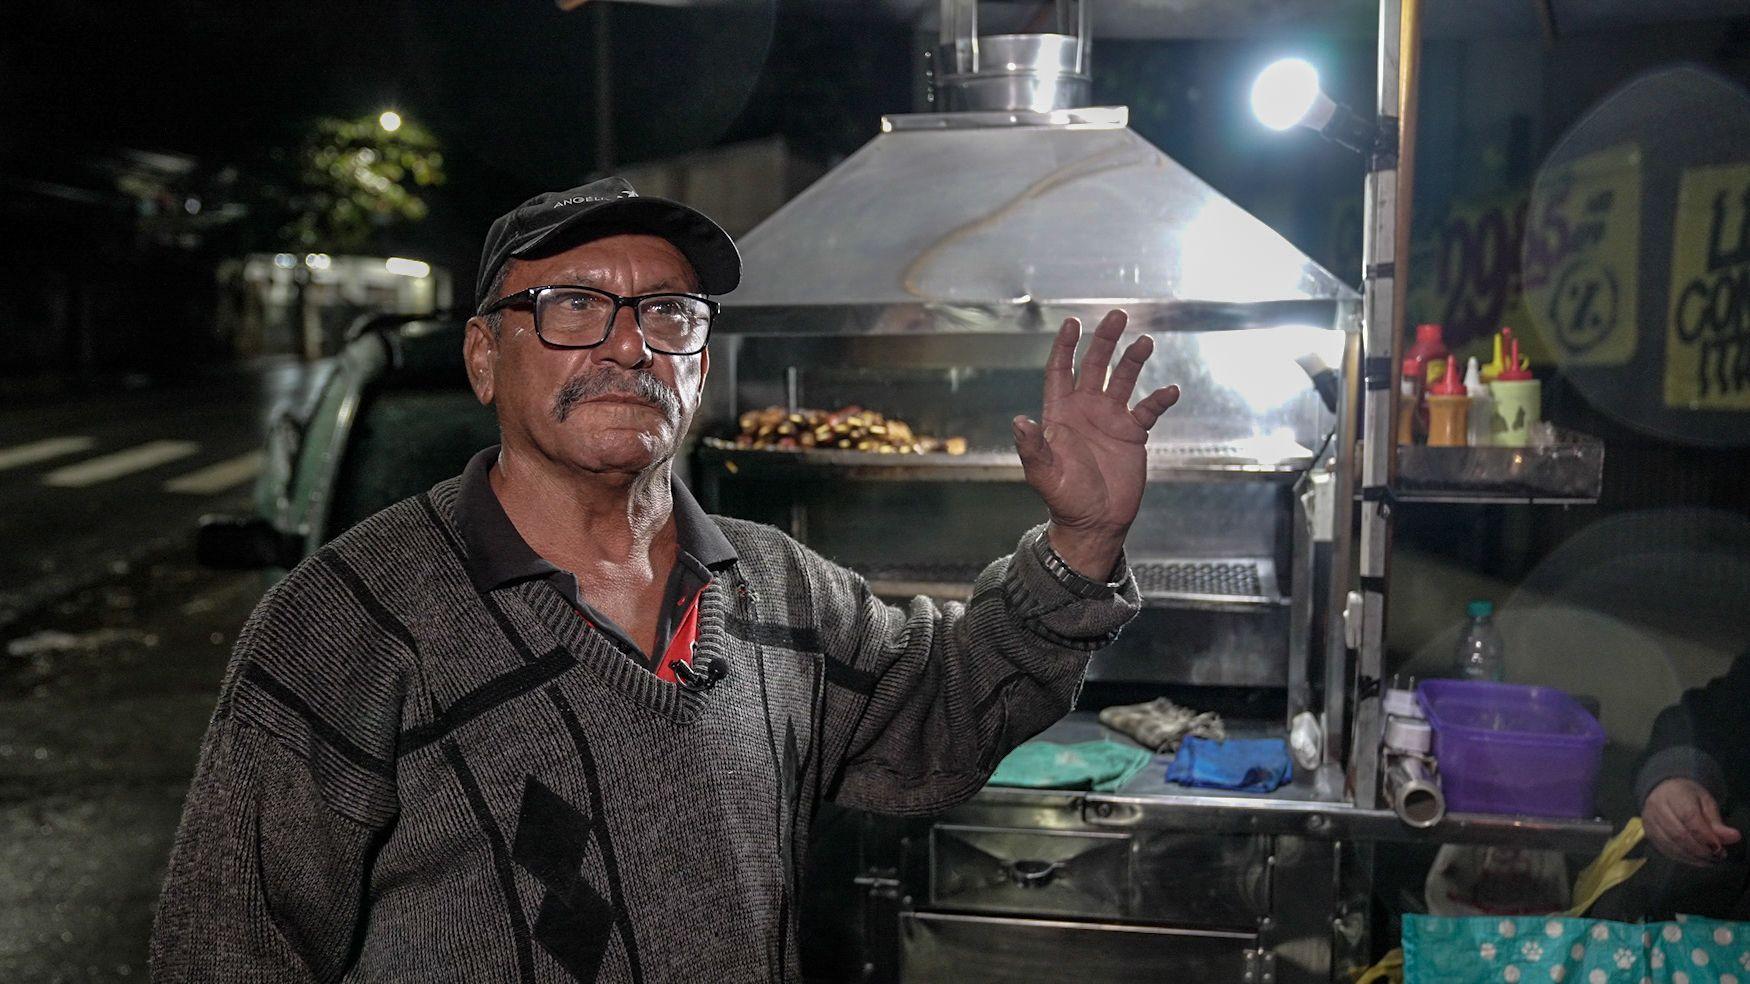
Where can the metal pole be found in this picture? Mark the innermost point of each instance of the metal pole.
(1385, 241)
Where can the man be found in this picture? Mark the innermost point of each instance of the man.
(551, 722)
(1692, 789)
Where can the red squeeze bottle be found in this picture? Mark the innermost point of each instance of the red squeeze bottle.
(1447, 402)
(1430, 350)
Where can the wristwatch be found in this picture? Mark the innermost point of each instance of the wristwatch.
(1078, 584)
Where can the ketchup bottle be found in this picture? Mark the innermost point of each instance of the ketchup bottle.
(1430, 350)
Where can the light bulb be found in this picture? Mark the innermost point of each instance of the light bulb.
(1284, 93)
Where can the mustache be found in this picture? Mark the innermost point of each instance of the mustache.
(640, 386)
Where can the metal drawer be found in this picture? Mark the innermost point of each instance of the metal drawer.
(997, 869)
(968, 949)
(1206, 880)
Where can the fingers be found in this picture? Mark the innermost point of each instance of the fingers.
(1095, 361)
(1153, 405)
(1670, 834)
(1037, 461)
(1060, 365)
(1689, 809)
(1723, 833)
(1129, 367)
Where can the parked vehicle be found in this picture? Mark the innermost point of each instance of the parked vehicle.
(392, 417)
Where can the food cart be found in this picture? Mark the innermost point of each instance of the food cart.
(923, 278)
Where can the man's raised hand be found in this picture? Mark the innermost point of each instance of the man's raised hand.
(1086, 455)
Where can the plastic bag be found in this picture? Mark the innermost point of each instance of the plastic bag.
(1466, 880)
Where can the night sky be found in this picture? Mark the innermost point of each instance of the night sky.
(507, 86)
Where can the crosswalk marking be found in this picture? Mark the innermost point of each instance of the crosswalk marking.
(20, 455)
(113, 466)
(218, 477)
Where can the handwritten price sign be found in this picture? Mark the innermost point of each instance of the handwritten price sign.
(1707, 338)
(1581, 256)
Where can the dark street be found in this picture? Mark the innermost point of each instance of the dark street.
(114, 642)
(89, 484)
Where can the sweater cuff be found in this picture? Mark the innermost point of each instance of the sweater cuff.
(1681, 762)
(1063, 607)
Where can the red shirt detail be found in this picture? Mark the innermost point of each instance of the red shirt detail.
(680, 645)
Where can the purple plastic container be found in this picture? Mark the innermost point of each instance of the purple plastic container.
(1504, 748)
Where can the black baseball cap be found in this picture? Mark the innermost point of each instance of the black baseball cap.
(558, 220)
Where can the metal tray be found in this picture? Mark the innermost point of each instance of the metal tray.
(1259, 458)
(1218, 583)
(1563, 467)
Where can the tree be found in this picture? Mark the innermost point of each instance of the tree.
(355, 178)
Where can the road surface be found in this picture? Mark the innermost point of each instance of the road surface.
(112, 645)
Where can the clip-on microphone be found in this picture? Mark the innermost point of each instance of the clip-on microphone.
(702, 677)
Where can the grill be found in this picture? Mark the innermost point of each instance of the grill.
(1162, 582)
(1238, 578)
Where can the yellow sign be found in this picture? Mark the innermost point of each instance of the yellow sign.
(1581, 257)
(1707, 337)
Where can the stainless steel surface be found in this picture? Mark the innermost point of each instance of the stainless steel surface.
(1036, 72)
(1382, 316)
(1310, 806)
(1263, 458)
(1151, 876)
(1413, 790)
(1340, 570)
(966, 949)
(1206, 646)
(999, 869)
(1192, 810)
(1218, 581)
(1097, 117)
(1297, 934)
(1006, 228)
(1205, 584)
(1245, 406)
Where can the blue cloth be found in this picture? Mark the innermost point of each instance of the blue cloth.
(1253, 765)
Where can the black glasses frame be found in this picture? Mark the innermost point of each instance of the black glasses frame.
(531, 296)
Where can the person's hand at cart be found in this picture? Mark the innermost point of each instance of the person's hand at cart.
(1086, 456)
(1683, 822)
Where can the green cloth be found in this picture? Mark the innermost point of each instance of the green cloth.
(1102, 766)
(1536, 949)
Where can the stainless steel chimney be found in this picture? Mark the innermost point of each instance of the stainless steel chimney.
(1039, 64)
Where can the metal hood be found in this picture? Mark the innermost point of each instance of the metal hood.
(1008, 221)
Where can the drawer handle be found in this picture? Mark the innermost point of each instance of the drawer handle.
(1033, 874)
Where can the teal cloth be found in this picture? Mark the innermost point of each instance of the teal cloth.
(1100, 766)
(1470, 950)
(1252, 765)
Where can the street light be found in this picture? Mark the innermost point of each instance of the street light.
(401, 266)
(390, 121)
(1287, 94)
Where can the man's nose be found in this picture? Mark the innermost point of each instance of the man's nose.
(625, 344)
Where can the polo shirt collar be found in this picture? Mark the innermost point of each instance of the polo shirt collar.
(498, 555)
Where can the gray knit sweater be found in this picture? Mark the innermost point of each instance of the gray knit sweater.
(409, 780)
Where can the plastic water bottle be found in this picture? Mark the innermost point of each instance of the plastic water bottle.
(1481, 654)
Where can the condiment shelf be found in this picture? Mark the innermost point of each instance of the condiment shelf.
(1217, 584)
(1562, 467)
(1260, 458)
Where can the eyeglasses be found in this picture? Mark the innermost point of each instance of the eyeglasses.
(569, 316)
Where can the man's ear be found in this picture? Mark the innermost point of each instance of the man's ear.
(704, 367)
(480, 355)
